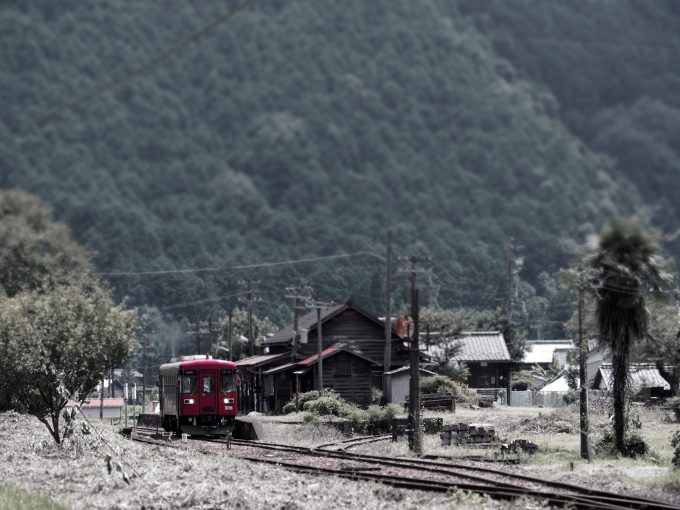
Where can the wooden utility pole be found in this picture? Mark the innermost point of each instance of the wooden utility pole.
(144, 377)
(250, 319)
(415, 438)
(583, 354)
(319, 346)
(300, 294)
(229, 332)
(388, 312)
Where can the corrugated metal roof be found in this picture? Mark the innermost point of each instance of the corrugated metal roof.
(282, 368)
(482, 346)
(332, 351)
(543, 351)
(307, 321)
(408, 367)
(262, 359)
(642, 375)
(315, 357)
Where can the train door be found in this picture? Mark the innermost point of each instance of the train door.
(208, 391)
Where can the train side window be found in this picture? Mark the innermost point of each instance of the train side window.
(227, 381)
(189, 382)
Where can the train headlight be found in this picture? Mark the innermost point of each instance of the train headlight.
(189, 401)
(228, 400)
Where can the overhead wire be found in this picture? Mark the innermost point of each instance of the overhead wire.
(136, 71)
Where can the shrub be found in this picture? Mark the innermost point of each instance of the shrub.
(675, 443)
(442, 384)
(376, 395)
(324, 406)
(674, 404)
(305, 397)
(634, 444)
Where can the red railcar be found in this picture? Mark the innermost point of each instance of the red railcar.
(199, 396)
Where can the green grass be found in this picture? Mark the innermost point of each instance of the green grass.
(13, 498)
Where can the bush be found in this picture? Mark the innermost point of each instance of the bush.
(674, 404)
(324, 406)
(634, 444)
(305, 397)
(376, 395)
(675, 443)
(442, 384)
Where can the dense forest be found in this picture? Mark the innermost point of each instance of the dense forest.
(306, 129)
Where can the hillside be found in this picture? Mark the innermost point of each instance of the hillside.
(297, 129)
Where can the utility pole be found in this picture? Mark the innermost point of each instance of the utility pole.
(319, 338)
(144, 377)
(300, 294)
(250, 319)
(415, 438)
(229, 333)
(388, 311)
(583, 354)
(415, 442)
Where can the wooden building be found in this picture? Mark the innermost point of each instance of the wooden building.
(347, 324)
(344, 371)
(353, 340)
(486, 356)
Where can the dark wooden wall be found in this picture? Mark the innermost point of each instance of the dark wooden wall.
(359, 333)
(355, 387)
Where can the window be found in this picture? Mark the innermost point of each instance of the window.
(189, 381)
(208, 384)
(343, 367)
(227, 381)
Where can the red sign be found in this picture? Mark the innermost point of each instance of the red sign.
(404, 326)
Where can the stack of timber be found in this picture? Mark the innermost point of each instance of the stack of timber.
(459, 434)
(436, 402)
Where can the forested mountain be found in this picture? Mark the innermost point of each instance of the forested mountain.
(307, 128)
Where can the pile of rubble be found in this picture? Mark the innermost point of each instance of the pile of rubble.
(463, 434)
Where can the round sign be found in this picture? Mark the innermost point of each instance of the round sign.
(404, 326)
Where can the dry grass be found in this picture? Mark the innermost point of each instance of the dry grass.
(78, 476)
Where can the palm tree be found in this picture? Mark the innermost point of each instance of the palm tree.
(629, 267)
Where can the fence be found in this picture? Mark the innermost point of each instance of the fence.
(533, 398)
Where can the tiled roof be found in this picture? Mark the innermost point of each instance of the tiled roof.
(263, 359)
(641, 375)
(543, 351)
(482, 346)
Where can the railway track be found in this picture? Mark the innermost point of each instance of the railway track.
(351, 443)
(442, 477)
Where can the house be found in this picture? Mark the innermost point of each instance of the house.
(642, 377)
(486, 355)
(345, 323)
(345, 371)
(597, 355)
(398, 382)
(546, 353)
(113, 407)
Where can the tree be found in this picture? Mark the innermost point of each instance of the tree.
(662, 345)
(36, 253)
(57, 345)
(628, 267)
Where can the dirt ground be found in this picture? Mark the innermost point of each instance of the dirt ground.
(116, 473)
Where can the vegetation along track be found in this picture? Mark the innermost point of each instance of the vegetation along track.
(441, 477)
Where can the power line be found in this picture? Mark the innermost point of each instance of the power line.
(240, 267)
(136, 71)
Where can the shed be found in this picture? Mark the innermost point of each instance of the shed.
(251, 370)
(641, 377)
(398, 383)
(486, 355)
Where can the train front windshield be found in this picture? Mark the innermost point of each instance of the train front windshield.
(189, 381)
(228, 381)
